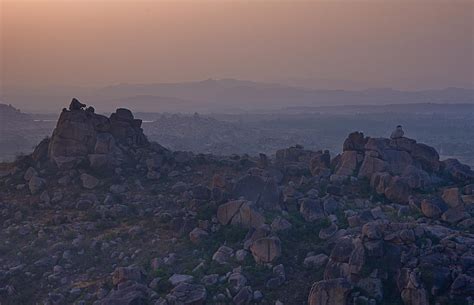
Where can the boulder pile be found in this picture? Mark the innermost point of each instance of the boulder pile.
(395, 167)
(82, 135)
(99, 215)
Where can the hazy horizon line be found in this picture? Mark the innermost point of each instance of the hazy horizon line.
(257, 82)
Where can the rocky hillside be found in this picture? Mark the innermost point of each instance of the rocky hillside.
(99, 215)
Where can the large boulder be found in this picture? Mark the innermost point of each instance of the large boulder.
(355, 141)
(223, 255)
(122, 274)
(30, 172)
(248, 216)
(348, 163)
(457, 171)
(36, 184)
(433, 207)
(312, 209)
(294, 160)
(197, 235)
(342, 250)
(411, 286)
(266, 249)
(454, 215)
(397, 160)
(378, 146)
(398, 190)
(270, 195)
(416, 178)
(249, 187)
(320, 163)
(261, 191)
(187, 294)
(89, 181)
(315, 261)
(427, 156)
(402, 143)
(380, 181)
(126, 129)
(100, 161)
(463, 285)
(127, 293)
(67, 163)
(330, 292)
(226, 211)
(240, 212)
(243, 297)
(452, 196)
(371, 165)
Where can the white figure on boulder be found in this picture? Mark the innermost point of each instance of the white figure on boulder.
(397, 133)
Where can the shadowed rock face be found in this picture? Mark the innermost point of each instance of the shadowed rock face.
(81, 134)
(76, 133)
(126, 129)
(392, 155)
(457, 171)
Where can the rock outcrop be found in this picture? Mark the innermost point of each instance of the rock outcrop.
(82, 135)
(396, 166)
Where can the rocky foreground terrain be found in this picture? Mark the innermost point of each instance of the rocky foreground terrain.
(99, 215)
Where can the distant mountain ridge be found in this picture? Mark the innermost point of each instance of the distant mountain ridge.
(228, 90)
(465, 108)
(234, 95)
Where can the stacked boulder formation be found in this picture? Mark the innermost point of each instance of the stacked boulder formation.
(395, 166)
(99, 215)
(82, 135)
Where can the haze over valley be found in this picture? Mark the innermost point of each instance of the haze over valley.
(244, 152)
(447, 127)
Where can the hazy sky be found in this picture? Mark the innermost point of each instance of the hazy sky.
(399, 43)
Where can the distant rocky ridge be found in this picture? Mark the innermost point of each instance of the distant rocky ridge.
(8, 113)
(98, 214)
